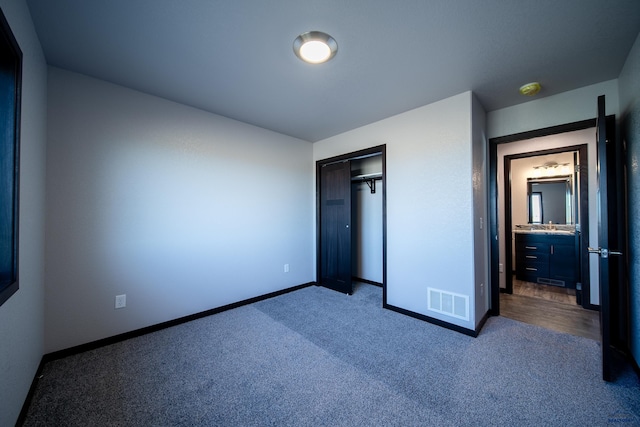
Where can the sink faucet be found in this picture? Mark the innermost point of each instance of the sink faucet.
(551, 226)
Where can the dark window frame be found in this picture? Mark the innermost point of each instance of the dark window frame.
(10, 105)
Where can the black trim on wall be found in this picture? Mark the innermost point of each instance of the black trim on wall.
(494, 309)
(154, 328)
(470, 332)
(552, 130)
(22, 417)
(369, 282)
(508, 263)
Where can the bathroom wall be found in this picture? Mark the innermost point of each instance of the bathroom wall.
(521, 170)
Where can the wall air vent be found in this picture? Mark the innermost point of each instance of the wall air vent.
(448, 303)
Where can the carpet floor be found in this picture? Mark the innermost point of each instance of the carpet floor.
(315, 357)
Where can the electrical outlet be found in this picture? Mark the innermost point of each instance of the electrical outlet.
(500, 268)
(286, 268)
(481, 289)
(121, 301)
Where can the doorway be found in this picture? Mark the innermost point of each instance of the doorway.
(546, 195)
(571, 138)
(351, 220)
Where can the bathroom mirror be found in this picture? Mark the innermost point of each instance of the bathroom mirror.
(551, 199)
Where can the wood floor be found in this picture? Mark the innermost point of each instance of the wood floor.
(550, 307)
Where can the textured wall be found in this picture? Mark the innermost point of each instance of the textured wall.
(632, 135)
(630, 105)
(480, 209)
(430, 238)
(181, 210)
(567, 107)
(21, 317)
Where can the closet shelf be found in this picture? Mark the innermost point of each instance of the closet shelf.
(369, 178)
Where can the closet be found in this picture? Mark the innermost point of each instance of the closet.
(351, 229)
(366, 219)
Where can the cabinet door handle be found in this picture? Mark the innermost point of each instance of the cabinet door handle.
(551, 249)
(530, 247)
(532, 269)
(531, 256)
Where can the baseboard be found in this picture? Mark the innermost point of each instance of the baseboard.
(438, 322)
(22, 417)
(369, 282)
(590, 306)
(482, 322)
(154, 328)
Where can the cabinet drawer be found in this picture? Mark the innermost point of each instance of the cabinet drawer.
(524, 245)
(539, 268)
(524, 257)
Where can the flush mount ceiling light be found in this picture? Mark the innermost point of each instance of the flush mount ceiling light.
(315, 47)
(530, 89)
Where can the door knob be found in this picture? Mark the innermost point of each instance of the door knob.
(603, 252)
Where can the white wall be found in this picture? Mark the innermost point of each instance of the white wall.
(181, 210)
(430, 224)
(630, 107)
(540, 113)
(480, 210)
(367, 221)
(568, 139)
(21, 317)
(521, 171)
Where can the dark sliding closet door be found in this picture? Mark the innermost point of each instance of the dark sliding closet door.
(335, 227)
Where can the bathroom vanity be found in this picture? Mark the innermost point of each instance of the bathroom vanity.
(547, 257)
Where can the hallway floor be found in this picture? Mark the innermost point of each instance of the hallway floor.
(550, 307)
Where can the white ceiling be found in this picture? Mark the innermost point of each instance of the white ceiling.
(235, 57)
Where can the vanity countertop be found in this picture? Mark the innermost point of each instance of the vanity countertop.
(557, 229)
(539, 231)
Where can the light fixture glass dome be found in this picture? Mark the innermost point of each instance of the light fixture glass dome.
(530, 89)
(315, 47)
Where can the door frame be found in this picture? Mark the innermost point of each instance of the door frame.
(493, 205)
(368, 152)
(582, 198)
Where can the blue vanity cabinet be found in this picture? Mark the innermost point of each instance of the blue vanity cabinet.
(548, 259)
(532, 257)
